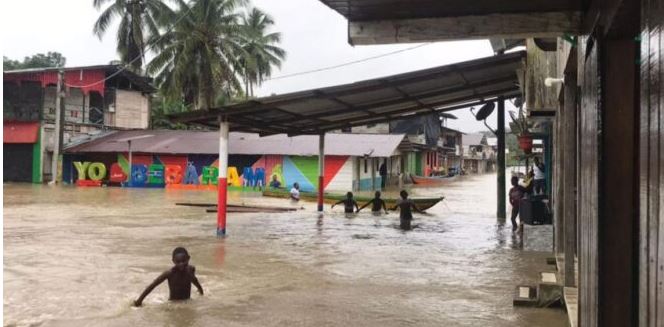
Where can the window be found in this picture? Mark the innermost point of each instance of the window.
(365, 166)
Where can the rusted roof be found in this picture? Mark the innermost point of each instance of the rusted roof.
(81, 76)
(200, 142)
(435, 90)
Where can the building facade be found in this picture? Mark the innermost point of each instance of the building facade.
(95, 99)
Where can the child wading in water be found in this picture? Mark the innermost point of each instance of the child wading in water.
(349, 203)
(378, 204)
(180, 278)
(405, 204)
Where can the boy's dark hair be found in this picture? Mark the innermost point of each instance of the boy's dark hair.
(403, 194)
(514, 180)
(180, 250)
(349, 194)
(377, 194)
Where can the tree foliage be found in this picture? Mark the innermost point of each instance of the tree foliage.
(40, 60)
(260, 49)
(139, 21)
(209, 53)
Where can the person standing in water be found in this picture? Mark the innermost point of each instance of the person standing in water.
(377, 204)
(539, 182)
(349, 203)
(295, 192)
(405, 205)
(383, 175)
(516, 194)
(180, 277)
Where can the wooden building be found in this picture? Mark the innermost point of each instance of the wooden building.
(606, 118)
(97, 99)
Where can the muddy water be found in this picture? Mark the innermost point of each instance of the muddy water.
(78, 257)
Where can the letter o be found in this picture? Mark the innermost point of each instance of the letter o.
(97, 171)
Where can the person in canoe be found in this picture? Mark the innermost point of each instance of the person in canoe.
(405, 205)
(376, 204)
(349, 203)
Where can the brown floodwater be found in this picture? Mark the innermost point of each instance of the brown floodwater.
(80, 256)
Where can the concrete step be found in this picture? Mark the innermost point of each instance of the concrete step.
(549, 290)
(525, 296)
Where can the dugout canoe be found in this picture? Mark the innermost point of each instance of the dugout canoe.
(329, 198)
(432, 181)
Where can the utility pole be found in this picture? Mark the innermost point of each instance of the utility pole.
(57, 133)
(501, 212)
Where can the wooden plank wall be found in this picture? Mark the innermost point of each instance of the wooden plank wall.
(618, 214)
(651, 158)
(589, 79)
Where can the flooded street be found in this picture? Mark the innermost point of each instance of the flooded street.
(80, 256)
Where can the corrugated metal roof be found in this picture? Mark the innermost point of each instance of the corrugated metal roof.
(197, 142)
(417, 93)
(109, 72)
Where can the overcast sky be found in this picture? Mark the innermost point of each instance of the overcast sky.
(313, 35)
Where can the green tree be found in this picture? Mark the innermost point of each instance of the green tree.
(160, 108)
(40, 60)
(262, 52)
(198, 58)
(139, 21)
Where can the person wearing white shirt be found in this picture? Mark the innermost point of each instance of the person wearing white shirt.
(539, 180)
(295, 192)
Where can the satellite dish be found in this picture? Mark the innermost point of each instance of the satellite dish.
(518, 102)
(485, 111)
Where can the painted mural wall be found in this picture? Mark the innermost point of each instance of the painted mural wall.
(201, 171)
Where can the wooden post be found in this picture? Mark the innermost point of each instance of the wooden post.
(373, 173)
(321, 170)
(501, 213)
(556, 182)
(129, 179)
(58, 127)
(569, 177)
(222, 184)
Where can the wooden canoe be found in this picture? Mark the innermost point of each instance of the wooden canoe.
(421, 203)
(432, 181)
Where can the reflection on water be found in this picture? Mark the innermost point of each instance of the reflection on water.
(78, 257)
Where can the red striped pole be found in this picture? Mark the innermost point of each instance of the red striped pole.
(321, 170)
(222, 186)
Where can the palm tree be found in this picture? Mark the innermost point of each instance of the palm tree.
(197, 59)
(139, 20)
(261, 49)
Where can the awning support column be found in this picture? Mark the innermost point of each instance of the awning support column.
(222, 185)
(501, 214)
(321, 170)
(131, 162)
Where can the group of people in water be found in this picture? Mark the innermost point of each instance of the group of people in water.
(182, 275)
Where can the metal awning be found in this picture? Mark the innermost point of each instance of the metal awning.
(434, 90)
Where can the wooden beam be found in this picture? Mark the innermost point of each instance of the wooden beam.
(522, 25)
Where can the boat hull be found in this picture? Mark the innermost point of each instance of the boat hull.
(432, 181)
(421, 203)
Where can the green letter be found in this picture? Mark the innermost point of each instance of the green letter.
(81, 167)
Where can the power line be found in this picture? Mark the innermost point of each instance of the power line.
(346, 63)
(148, 48)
